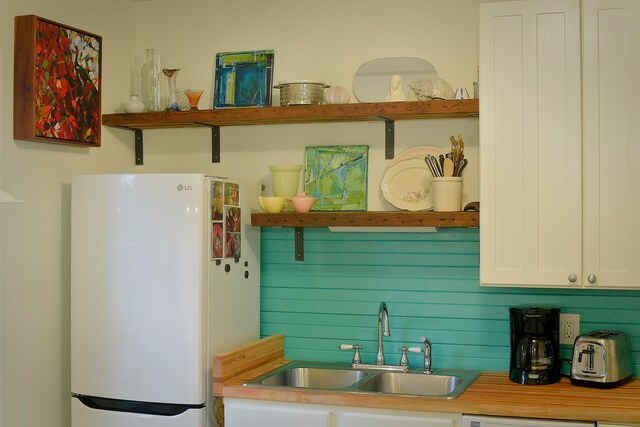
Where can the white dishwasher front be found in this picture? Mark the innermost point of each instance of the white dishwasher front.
(482, 421)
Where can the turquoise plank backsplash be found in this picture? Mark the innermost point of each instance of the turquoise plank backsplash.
(430, 282)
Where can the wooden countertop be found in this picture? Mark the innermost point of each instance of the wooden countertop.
(491, 394)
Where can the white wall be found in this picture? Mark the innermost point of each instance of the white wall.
(326, 40)
(35, 234)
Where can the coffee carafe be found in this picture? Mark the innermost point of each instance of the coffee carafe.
(535, 357)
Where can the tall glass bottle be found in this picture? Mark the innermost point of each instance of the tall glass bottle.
(151, 82)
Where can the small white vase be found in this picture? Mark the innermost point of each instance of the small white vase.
(134, 105)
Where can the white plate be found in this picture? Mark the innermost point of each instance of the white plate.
(407, 185)
(418, 152)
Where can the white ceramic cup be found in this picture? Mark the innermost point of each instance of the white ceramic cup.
(446, 194)
(285, 179)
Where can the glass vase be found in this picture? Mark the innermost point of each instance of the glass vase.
(172, 104)
(151, 81)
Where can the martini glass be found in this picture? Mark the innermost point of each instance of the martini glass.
(193, 95)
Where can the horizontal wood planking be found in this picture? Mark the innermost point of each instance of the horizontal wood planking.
(430, 282)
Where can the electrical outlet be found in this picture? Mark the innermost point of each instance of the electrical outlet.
(569, 328)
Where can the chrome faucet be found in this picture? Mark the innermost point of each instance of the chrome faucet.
(383, 315)
(427, 354)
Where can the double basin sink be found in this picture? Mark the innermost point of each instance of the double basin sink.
(446, 384)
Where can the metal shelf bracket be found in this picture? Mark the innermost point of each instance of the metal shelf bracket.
(139, 146)
(139, 143)
(215, 144)
(215, 141)
(299, 243)
(389, 139)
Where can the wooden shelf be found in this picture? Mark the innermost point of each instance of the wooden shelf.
(361, 219)
(376, 111)
(367, 219)
(388, 112)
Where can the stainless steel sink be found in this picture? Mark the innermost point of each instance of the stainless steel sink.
(444, 384)
(327, 377)
(447, 385)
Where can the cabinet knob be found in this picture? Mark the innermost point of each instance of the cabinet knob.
(573, 277)
(592, 278)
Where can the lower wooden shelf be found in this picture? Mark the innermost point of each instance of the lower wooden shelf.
(361, 219)
(367, 219)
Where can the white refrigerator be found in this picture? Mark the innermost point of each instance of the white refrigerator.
(164, 274)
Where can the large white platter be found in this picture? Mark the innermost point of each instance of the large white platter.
(407, 185)
(417, 152)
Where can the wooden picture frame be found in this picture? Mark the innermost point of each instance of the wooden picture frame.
(57, 83)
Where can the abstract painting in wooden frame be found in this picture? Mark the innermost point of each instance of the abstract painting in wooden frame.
(243, 79)
(57, 83)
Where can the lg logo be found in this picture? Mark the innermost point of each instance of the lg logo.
(184, 187)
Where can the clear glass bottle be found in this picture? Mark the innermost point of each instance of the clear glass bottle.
(151, 82)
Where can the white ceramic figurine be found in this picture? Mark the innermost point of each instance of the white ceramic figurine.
(395, 90)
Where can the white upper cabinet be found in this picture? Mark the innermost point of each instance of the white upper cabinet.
(556, 183)
(611, 142)
(530, 142)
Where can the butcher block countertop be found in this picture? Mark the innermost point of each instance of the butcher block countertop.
(491, 394)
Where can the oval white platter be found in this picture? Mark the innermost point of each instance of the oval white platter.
(407, 185)
(417, 152)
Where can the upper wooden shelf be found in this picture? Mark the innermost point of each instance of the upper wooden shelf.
(367, 219)
(410, 110)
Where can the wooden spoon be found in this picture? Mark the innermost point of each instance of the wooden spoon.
(448, 167)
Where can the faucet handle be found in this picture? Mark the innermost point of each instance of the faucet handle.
(356, 354)
(404, 361)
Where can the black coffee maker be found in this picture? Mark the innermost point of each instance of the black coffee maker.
(535, 357)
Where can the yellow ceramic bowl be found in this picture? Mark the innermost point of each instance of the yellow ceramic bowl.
(272, 204)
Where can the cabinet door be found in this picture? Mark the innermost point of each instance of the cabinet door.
(241, 413)
(611, 84)
(530, 143)
(378, 418)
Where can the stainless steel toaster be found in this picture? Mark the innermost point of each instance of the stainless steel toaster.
(601, 359)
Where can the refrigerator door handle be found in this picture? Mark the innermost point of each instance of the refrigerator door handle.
(136, 407)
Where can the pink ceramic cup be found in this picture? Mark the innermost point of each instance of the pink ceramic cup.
(302, 203)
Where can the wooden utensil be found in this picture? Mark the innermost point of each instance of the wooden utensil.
(448, 167)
